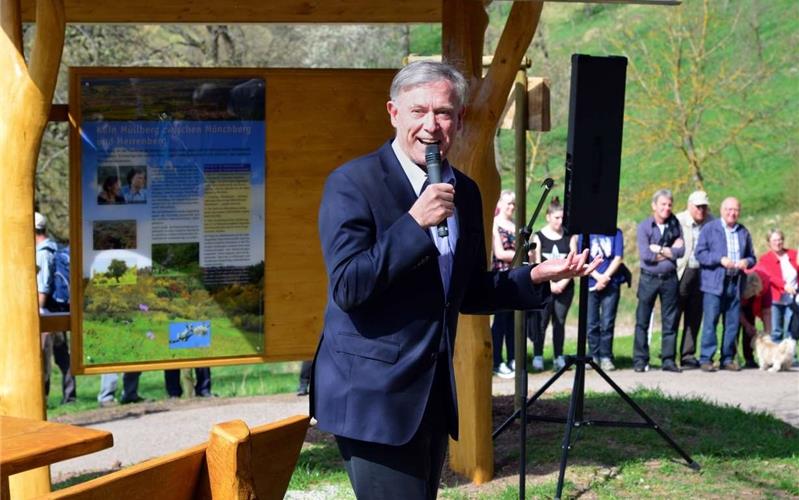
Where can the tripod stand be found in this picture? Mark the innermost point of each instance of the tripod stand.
(575, 417)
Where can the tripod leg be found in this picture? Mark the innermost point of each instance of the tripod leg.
(646, 417)
(529, 402)
(575, 402)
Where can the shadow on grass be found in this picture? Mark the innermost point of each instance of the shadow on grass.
(701, 429)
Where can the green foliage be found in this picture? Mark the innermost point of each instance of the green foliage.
(117, 268)
(748, 74)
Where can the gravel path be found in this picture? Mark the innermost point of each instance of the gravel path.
(150, 429)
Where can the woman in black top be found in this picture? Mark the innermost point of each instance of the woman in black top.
(551, 242)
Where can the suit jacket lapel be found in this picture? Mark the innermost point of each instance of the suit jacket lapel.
(461, 243)
(396, 180)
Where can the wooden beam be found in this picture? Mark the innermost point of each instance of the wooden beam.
(464, 26)
(642, 2)
(26, 92)
(245, 11)
(11, 22)
(463, 33)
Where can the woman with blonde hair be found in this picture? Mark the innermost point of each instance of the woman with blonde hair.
(503, 244)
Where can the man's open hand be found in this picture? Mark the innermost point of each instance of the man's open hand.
(574, 265)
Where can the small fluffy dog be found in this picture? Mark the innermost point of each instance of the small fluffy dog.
(771, 354)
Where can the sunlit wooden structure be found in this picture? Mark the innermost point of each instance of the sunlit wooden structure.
(237, 463)
(26, 91)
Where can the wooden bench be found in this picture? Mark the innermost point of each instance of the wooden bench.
(235, 463)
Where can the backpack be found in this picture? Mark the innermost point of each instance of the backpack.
(58, 301)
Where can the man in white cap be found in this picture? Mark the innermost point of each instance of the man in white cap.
(54, 344)
(692, 219)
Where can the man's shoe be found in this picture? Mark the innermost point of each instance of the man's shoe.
(731, 366)
(108, 404)
(136, 399)
(302, 390)
(607, 365)
(689, 364)
(670, 366)
(538, 363)
(559, 363)
(641, 367)
(707, 367)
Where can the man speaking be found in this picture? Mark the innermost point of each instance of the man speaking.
(383, 381)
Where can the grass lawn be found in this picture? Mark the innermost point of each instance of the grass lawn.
(227, 381)
(742, 455)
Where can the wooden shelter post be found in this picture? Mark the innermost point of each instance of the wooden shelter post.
(464, 24)
(26, 91)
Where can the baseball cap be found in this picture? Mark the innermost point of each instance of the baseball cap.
(698, 198)
(39, 221)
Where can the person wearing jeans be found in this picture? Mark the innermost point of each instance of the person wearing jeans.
(604, 287)
(782, 266)
(108, 389)
(724, 251)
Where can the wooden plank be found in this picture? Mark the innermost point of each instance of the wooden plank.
(246, 11)
(267, 454)
(228, 460)
(54, 322)
(275, 451)
(26, 444)
(171, 477)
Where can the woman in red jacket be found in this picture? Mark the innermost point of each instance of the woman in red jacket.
(782, 267)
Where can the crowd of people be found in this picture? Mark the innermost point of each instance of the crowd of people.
(703, 269)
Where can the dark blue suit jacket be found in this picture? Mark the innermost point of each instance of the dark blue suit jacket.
(712, 246)
(386, 310)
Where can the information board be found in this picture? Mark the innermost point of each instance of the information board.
(171, 202)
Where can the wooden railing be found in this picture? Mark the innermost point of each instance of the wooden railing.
(236, 463)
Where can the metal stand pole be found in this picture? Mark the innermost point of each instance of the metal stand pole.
(574, 418)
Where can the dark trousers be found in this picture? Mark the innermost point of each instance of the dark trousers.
(691, 312)
(202, 382)
(409, 471)
(602, 306)
(502, 331)
(537, 322)
(649, 288)
(305, 375)
(58, 344)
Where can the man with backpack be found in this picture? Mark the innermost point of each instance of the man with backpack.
(52, 284)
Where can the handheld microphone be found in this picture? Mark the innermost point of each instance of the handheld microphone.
(432, 157)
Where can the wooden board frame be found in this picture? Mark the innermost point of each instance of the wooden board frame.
(289, 122)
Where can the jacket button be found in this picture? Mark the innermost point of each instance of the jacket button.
(433, 356)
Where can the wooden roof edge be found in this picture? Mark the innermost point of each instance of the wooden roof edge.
(244, 11)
